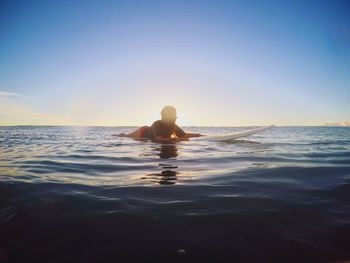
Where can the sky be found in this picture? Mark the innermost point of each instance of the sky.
(220, 63)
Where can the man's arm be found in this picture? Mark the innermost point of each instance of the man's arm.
(185, 135)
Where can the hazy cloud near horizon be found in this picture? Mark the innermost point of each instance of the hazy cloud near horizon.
(9, 94)
(16, 111)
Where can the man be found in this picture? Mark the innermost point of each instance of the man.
(164, 130)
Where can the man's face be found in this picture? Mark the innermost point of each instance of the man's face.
(173, 118)
(170, 117)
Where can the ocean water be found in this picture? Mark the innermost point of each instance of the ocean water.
(81, 194)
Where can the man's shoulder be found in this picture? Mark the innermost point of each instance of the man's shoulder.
(158, 123)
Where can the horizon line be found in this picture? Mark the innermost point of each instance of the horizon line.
(199, 126)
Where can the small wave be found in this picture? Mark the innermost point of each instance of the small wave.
(49, 166)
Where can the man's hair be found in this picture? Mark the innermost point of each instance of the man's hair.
(167, 110)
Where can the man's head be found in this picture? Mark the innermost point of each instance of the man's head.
(169, 114)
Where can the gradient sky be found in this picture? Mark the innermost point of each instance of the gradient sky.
(228, 63)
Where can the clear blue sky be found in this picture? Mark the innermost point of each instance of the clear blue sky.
(219, 62)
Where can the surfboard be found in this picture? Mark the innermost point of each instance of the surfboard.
(231, 136)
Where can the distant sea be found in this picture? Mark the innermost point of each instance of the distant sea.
(81, 194)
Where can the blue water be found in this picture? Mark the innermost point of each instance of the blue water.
(81, 194)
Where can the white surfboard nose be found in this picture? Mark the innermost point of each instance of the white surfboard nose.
(232, 136)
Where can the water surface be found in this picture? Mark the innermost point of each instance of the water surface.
(81, 194)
